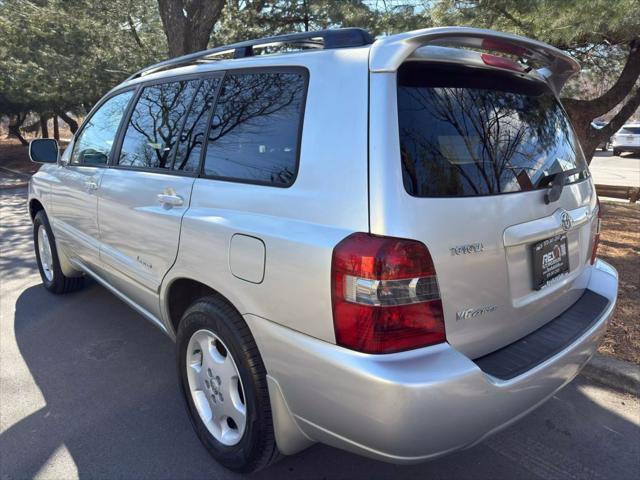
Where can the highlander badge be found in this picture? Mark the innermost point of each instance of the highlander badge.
(475, 312)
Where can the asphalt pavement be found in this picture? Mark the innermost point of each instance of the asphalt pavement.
(88, 389)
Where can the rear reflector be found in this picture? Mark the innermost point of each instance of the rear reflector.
(501, 62)
(385, 295)
(596, 237)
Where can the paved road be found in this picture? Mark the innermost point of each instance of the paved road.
(88, 390)
(623, 170)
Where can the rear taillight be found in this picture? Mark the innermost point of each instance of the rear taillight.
(596, 237)
(385, 295)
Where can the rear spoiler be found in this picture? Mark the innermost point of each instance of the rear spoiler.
(388, 53)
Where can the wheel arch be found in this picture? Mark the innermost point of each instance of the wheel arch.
(68, 269)
(35, 206)
(181, 292)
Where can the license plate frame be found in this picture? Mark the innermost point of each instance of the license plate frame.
(550, 259)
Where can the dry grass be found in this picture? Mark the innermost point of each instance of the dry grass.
(620, 246)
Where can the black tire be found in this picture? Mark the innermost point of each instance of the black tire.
(60, 283)
(257, 448)
(616, 152)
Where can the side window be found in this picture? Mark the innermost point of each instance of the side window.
(153, 129)
(195, 127)
(255, 128)
(95, 141)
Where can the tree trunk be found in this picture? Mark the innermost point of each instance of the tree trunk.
(73, 125)
(189, 23)
(583, 112)
(56, 128)
(15, 122)
(44, 127)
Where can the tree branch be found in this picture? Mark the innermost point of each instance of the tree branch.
(617, 93)
(632, 103)
(134, 32)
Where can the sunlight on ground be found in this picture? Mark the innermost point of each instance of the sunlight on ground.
(59, 465)
(609, 400)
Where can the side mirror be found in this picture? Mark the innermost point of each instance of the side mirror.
(43, 150)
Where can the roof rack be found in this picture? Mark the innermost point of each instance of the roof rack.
(320, 39)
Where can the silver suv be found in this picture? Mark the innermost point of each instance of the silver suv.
(387, 246)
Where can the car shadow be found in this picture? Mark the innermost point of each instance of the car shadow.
(112, 400)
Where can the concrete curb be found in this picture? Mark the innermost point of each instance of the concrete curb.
(614, 373)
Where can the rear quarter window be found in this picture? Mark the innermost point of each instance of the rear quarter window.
(256, 126)
(472, 132)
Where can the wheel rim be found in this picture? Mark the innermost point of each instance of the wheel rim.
(44, 250)
(216, 387)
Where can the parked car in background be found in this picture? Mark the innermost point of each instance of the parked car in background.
(627, 139)
(388, 246)
(606, 143)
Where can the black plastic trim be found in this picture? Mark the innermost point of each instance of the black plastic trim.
(550, 339)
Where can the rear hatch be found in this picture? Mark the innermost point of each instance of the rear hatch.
(489, 176)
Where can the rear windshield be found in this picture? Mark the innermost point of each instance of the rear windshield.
(631, 130)
(471, 132)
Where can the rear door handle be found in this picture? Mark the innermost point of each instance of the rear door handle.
(170, 200)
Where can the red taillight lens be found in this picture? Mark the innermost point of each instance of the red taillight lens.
(385, 295)
(596, 237)
(501, 62)
(503, 46)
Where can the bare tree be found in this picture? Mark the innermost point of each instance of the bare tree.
(15, 122)
(189, 23)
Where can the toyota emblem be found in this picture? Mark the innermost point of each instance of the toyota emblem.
(566, 221)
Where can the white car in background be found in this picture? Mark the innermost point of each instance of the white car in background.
(627, 139)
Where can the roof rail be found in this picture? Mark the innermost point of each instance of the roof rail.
(320, 39)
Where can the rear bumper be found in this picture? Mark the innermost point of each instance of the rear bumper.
(411, 406)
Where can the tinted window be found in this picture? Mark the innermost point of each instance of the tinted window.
(255, 128)
(152, 133)
(95, 141)
(630, 130)
(484, 133)
(195, 126)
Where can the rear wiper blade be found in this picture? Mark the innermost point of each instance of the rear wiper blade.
(557, 183)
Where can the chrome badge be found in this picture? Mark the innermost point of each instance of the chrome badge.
(475, 312)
